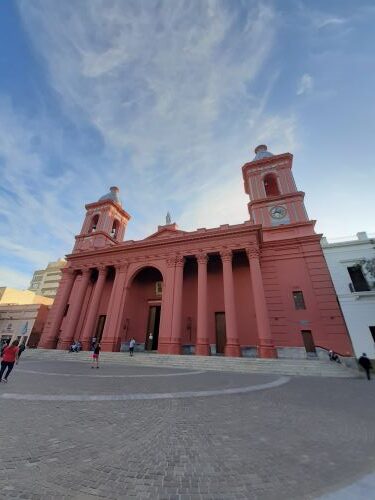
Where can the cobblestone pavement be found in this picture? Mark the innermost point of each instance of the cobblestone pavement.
(302, 439)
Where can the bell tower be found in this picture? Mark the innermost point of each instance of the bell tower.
(104, 224)
(269, 182)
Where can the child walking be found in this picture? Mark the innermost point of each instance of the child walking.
(9, 357)
(95, 356)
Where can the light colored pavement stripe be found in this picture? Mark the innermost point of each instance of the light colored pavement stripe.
(138, 396)
(113, 376)
(360, 490)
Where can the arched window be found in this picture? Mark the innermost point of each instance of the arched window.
(115, 228)
(270, 185)
(94, 223)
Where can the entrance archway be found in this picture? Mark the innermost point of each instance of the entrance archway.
(143, 308)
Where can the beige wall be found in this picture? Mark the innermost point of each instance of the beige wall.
(46, 281)
(14, 296)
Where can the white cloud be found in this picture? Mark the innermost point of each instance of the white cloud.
(305, 84)
(168, 82)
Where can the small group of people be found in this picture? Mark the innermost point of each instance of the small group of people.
(10, 354)
(333, 356)
(76, 346)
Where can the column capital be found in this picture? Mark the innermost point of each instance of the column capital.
(171, 261)
(202, 258)
(122, 267)
(253, 252)
(226, 254)
(85, 271)
(102, 268)
(180, 260)
(68, 272)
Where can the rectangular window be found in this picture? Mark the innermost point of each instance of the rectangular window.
(359, 281)
(372, 330)
(299, 302)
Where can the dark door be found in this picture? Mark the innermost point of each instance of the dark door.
(309, 343)
(221, 338)
(100, 328)
(152, 333)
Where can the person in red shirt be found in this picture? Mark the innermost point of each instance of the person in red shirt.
(9, 357)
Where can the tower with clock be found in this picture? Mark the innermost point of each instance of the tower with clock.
(274, 198)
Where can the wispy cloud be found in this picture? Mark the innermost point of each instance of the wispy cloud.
(169, 83)
(14, 279)
(305, 85)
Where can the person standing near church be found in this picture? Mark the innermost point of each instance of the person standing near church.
(9, 357)
(131, 346)
(366, 365)
(95, 356)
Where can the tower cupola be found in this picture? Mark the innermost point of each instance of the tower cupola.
(104, 224)
(269, 182)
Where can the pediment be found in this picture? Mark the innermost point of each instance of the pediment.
(166, 232)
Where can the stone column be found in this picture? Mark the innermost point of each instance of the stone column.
(110, 338)
(232, 347)
(202, 347)
(88, 329)
(51, 331)
(165, 328)
(266, 348)
(175, 346)
(74, 311)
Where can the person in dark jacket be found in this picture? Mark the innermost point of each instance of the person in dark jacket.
(366, 364)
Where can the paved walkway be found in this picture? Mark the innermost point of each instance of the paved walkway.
(123, 431)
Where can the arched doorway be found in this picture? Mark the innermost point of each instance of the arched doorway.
(143, 308)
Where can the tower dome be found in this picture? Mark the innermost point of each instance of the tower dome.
(112, 195)
(261, 152)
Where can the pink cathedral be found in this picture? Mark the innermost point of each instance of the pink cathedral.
(261, 288)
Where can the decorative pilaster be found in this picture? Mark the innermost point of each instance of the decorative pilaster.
(165, 329)
(232, 347)
(266, 347)
(175, 345)
(202, 347)
(75, 310)
(110, 339)
(88, 329)
(51, 331)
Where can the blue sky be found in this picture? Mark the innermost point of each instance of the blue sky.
(167, 100)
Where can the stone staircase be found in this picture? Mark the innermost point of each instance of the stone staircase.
(296, 367)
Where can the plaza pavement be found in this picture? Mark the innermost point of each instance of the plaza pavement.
(132, 431)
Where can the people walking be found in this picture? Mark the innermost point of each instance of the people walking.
(131, 346)
(95, 356)
(9, 357)
(366, 365)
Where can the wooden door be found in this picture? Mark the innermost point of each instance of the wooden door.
(100, 327)
(152, 333)
(309, 343)
(221, 338)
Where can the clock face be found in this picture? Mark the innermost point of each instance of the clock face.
(278, 212)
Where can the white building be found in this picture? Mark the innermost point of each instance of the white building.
(46, 281)
(352, 267)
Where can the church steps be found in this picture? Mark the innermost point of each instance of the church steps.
(297, 367)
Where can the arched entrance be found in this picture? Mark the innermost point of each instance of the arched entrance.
(143, 308)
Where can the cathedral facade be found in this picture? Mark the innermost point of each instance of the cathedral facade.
(261, 288)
